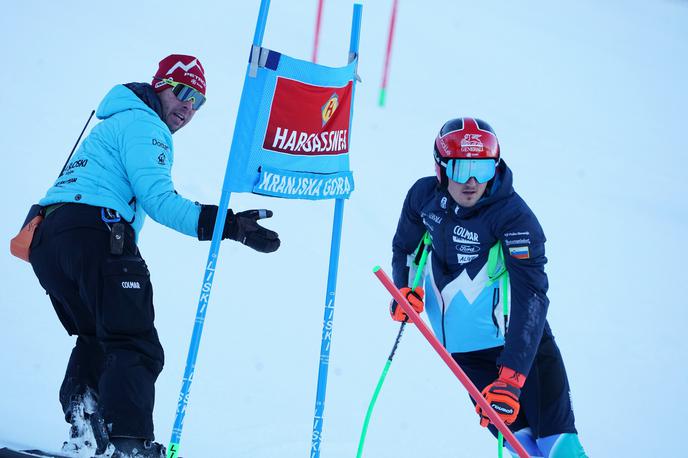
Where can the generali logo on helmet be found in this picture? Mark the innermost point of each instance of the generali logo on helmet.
(471, 143)
(308, 120)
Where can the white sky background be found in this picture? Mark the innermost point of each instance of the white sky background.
(588, 99)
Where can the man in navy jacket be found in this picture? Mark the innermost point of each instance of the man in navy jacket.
(486, 286)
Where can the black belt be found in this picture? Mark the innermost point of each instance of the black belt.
(51, 208)
(83, 215)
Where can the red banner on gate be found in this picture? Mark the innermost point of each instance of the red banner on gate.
(309, 120)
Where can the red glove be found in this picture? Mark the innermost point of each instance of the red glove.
(415, 298)
(502, 395)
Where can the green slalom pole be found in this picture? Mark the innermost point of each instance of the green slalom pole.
(425, 246)
(505, 311)
(383, 97)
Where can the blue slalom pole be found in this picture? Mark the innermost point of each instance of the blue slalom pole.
(208, 276)
(326, 340)
(327, 328)
(260, 23)
(355, 29)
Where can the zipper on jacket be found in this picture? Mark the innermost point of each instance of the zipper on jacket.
(495, 303)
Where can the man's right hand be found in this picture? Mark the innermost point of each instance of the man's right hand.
(503, 396)
(415, 298)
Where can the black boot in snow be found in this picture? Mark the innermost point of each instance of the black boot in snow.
(88, 430)
(129, 447)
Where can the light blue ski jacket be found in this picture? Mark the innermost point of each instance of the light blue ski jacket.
(125, 164)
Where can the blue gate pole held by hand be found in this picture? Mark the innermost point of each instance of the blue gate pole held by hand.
(316, 438)
(208, 276)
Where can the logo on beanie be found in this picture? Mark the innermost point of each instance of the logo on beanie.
(173, 68)
(190, 78)
(185, 67)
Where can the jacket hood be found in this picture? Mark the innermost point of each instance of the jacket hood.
(502, 184)
(122, 98)
(147, 94)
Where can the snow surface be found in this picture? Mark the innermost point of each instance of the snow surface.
(589, 101)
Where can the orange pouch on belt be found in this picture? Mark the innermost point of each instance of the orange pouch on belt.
(20, 245)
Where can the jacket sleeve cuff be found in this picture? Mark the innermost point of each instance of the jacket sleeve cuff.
(206, 222)
(512, 377)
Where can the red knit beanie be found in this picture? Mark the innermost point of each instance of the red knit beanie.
(181, 69)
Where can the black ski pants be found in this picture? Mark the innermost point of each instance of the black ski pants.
(545, 397)
(106, 300)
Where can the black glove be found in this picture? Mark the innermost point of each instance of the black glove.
(242, 227)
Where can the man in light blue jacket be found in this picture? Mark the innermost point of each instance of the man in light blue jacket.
(86, 258)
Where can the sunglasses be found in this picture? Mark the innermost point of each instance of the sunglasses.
(461, 170)
(185, 93)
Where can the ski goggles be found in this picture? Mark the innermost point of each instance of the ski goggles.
(461, 170)
(185, 93)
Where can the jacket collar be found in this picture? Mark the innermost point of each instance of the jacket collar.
(147, 94)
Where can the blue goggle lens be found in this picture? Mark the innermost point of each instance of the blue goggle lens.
(184, 93)
(461, 170)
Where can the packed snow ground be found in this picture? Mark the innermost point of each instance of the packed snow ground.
(589, 101)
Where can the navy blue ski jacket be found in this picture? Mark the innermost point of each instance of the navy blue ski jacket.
(469, 309)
